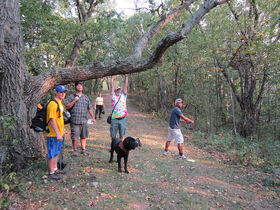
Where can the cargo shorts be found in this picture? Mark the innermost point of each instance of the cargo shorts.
(79, 131)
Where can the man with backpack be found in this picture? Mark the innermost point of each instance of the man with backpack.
(55, 122)
(79, 105)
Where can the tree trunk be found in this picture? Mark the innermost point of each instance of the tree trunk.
(177, 69)
(84, 17)
(95, 89)
(15, 99)
(247, 123)
(161, 94)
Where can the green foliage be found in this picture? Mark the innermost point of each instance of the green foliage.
(240, 150)
(7, 177)
(190, 70)
(8, 183)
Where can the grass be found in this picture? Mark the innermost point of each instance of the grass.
(155, 181)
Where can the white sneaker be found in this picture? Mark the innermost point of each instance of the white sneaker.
(182, 157)
(166, 153)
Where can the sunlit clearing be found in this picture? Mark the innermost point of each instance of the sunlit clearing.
(101, 146)
(208, 194)
(217, 181)
(139, 115)
(101, 170)
(201, 192)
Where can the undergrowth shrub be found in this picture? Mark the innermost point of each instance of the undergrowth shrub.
(8, 181)
(243, 151)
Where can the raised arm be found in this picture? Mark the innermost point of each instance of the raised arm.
(70, 104)
(112, 84)
(125, 84)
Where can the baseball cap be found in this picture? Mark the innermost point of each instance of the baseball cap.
(118, 87)
(60, 89)
(178, 100)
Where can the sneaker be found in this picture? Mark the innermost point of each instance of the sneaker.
(74, 153)
(166, 152)
(182, 157)
(58, 171)
(55, 176)
(84, 152)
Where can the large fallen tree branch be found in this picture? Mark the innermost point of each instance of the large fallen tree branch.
(134, 62)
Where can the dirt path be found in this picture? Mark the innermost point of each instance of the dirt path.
(155, 181)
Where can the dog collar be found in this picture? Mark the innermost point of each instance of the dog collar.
(122, 147)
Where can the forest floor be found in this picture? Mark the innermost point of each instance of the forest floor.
(155, 181)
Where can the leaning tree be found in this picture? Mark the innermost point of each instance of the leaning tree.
(20, 92)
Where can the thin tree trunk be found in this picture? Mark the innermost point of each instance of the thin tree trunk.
(161, 93)
(177, 69)
(95, 89)
(233, 114)
(84, 17)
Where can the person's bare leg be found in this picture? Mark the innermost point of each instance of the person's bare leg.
(55, 162)
(50, 165)
(83, 144)
(180, 148)
(167, 144)
(74, 144)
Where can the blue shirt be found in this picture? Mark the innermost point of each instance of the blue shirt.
(175, 118)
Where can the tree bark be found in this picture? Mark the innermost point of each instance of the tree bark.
(14, 99)
(21, 92)
(161, 94)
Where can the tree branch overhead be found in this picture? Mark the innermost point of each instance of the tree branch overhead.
(134, 62)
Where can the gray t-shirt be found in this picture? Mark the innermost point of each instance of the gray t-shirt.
(80, 109)
(175, 118)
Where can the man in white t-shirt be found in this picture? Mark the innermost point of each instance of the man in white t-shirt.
(99, 105)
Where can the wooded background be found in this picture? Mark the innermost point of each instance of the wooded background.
(226, 68)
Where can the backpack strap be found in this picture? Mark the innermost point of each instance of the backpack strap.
(58, 109)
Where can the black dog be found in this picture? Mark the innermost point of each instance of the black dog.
(122, 149)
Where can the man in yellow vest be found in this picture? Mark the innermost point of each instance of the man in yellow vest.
(56, 131)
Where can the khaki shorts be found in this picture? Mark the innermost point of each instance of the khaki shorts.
(175, 134)
(79, 131)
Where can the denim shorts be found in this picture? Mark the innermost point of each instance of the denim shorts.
(54, 147)
(118, 126)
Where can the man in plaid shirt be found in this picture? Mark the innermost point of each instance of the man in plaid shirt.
(79, 105)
